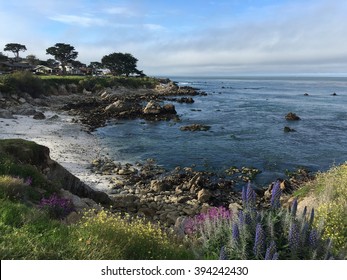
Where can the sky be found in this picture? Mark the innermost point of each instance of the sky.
(188, 37)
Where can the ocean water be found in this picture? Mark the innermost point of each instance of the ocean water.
(247, 117)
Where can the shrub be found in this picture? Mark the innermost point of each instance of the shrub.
(58, 208)
(23, 82)
(109, 236)
(12, 188)
(273, 233)
(28, 233)
(210, 230)
(332, 206)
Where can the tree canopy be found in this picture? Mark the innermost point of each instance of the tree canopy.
(120, 63)
(15, 48)
(64, 53)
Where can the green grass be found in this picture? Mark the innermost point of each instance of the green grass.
(331, 204)
(29, 233)
(47, 84)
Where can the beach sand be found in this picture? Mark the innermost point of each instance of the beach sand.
(69, 144)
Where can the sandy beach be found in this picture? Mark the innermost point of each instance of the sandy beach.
(69, 144)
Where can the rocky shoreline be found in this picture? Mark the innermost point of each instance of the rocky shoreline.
(145, 189)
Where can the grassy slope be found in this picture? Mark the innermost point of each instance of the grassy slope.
(29, 232)
(327, 193)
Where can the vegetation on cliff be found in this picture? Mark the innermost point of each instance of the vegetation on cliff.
(35, 86)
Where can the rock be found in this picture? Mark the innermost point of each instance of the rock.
(204, 195)
(39, 116)
(195, 127)
(29, 111)
(73, 218)
(183, 199)
(126, 171)
(22, 100)
(80, 204)
(179, 226)
(292, 117)
(6, 114)
(189, 211)
(124, 200)
(146, 211)
(334, 94)
(288, 129)
(86, 92)
(193, 184)
(118, 106)
(169, 109)
(306, 94)
(159, 186)
(54, 118)
(234, 208)
(172, 217)
(187, 100)
(152, 108)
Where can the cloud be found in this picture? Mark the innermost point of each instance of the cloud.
(153, 27)
(120, 11)
(293, 36)
(85, 21)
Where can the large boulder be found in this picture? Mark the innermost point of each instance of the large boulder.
(152, 108)
(39, 116)
(169, 109)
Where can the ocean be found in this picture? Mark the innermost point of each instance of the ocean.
(247, 119)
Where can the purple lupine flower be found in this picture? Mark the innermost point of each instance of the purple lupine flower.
(294, 207)
(294, 237)
(270, 251)
(248, 218)
(276, 195)
(248, 196)
(223, 255)
(235, 233)
(244, 195)
(304, 234)
(241, 217)
(313, 238)
(259, 241)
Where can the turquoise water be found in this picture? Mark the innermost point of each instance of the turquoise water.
(247, 117)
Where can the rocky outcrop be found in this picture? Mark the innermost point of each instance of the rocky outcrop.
(6, 114)
(118, 107)
(154, 108)
(165, 196)
(39, 116)
(292, 117)
(195, 127)
(288, 129)
(27, 152)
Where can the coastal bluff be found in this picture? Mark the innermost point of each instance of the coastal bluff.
(18, 155)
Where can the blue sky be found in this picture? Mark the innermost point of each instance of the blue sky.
(191, 37)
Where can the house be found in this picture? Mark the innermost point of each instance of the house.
(42, 69)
